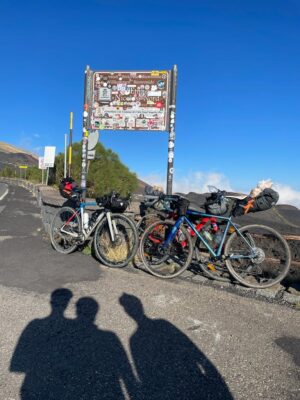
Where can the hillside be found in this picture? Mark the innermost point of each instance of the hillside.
(13, 155)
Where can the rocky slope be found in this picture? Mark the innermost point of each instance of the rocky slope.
(12, 155)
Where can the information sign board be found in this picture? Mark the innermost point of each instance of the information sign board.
(41, 163)
(130, 100)
(49, 156)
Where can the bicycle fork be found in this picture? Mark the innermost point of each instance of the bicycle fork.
(112, 226)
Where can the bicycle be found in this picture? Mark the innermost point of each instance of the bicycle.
(161, 207)
(115, 236)
(257, 256)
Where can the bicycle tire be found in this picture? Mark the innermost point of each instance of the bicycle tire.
(163, 265)
(119, 253)
(62, 242)
(272, 257)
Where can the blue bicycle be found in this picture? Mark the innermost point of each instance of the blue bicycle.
(255, 255)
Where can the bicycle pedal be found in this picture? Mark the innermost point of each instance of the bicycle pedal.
(211, 267)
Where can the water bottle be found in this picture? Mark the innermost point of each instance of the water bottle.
(218, 238)
(85, 220)
(208, 236)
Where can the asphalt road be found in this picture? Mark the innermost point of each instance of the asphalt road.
(122, 334)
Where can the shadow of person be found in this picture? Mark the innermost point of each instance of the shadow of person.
(102, 359)
(71, 359)
(168, 364)
(41, 351)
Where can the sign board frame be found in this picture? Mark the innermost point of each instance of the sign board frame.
(92, 113)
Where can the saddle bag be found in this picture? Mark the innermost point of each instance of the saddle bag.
(264, 201)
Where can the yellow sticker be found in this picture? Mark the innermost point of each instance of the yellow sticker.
(154, 73)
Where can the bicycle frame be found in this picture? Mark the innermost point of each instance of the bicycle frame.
(87, 232)
(215, 253)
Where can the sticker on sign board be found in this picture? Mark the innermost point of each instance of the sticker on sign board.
(154, 93)
(104, 94)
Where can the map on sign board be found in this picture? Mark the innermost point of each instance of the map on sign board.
(130, 100)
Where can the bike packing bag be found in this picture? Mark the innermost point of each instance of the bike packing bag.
(66, 187)
(113, 202)
(182, 204)
(264, 201)
(216, 204)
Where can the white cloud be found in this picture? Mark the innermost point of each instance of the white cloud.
(198, 182)
(287, 195)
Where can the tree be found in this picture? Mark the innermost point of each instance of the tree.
(105, 173)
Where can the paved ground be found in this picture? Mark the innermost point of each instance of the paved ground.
(115, 334)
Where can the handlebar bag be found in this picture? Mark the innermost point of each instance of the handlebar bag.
(114, 203)
(66, 187)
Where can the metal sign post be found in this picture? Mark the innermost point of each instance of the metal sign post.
(70, 142)
(65, 157)
(86, 127)
(172, 118)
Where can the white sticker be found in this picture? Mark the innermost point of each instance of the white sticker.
(154, 93)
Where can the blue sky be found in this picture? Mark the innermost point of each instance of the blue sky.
(238, 108)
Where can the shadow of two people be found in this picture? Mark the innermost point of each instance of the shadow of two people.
(66, 358)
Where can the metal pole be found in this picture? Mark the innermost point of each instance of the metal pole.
(70, 142)
(172, 118)
(47, 178)
(85, 133)
(65, 159)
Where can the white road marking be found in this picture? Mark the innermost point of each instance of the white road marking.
(2, 238)
(4, 194)
(2, 208)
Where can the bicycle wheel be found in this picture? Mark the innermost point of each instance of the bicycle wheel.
(146, 221)
(117, 253)
(260, 259)
(165, 262)
(65, 230)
